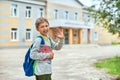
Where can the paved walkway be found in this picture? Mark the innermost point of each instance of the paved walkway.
(74, 62)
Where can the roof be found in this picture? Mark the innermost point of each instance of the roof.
(75, 3)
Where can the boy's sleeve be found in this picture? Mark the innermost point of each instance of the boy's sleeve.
(34, 54)
(57, 45)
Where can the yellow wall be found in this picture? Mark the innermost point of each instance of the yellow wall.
(3, 4)
(4, 36)
(4, 12)
(115, 38)
(104, 37)
(12, 23)
(28, 43)
(7, 44)
(63, 6)
(28, 23)
(50, 11)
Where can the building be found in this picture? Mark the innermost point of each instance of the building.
(17, 21)
(104, 37)
(70, 17)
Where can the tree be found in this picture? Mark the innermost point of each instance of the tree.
(108, 14)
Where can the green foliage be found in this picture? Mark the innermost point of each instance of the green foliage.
(115, 43)
(112, 64)
(109, 10)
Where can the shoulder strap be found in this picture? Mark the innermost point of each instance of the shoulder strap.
(42, 40)
(50, 41)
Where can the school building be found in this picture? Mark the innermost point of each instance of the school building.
(17, 21)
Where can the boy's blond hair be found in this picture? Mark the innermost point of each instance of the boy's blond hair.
(39, 21)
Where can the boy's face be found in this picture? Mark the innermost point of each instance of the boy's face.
(43, 28)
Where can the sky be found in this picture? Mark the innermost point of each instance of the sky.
(86, 2)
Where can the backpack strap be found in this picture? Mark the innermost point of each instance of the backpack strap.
(50, 42)
(42, 40)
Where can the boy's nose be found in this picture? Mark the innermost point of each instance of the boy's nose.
(45, 28)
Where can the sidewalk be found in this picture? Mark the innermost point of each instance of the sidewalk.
(74, 62)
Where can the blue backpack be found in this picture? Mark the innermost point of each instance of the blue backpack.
(28, 62)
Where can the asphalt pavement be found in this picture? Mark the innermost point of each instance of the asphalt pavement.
(72, 62)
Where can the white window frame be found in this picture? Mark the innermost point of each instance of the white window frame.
(66, 15)
(13, 8)
(28, 35)
(76, 15)
(56, 14)
(14, 34)
(41, 12)
(28, 12)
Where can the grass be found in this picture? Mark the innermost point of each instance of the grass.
(111, 64)
(115, 43)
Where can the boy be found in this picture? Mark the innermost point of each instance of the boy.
(42, 67)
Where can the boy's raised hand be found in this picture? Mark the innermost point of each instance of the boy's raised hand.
(59, 32)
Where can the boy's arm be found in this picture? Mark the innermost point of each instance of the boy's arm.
(34, 54)
(60, 35)
(57, 45)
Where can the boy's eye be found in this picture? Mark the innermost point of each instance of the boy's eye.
(46, 25)
(42, 26)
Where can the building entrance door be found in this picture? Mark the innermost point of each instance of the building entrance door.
(66, 36)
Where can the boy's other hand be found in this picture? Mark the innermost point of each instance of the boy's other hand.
(51, 55)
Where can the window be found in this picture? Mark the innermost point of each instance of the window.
(76, 16)
(66, 15)
(66, 36)
(28, 34)
(14, 10)
(41, 12)
(56, 14)
(28, 12)
(14, 34)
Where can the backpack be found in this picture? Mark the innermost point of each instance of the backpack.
(28, 62)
